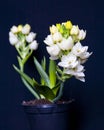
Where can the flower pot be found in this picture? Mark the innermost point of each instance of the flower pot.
(48, 116)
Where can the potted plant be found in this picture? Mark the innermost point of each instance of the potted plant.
(67, 56)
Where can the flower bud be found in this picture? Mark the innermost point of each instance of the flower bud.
(82, 34)
(30, 37)
(74, 30)
(12, 39)
(19, 28)
(33, 45)
(14, 29)
(57, 37)
(53, 29)
(68, 25)
(26, 29)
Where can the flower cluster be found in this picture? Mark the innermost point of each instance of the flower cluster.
(21, 37)
(64, 44)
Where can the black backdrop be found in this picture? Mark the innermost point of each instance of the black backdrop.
(40, 14)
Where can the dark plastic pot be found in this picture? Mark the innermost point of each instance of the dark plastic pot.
(48, 117)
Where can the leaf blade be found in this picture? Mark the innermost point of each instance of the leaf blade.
(42, 73)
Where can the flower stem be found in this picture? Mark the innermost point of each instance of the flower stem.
(21, 65)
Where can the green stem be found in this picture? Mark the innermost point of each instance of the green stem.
(21, 65)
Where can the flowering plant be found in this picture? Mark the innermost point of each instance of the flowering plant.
(67, 56)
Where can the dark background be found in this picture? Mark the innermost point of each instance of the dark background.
(40, 14)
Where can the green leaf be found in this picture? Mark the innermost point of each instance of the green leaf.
(28, 82)
(32, 82)
(52, 73)
(56, 88)
(42, 73)
(45, 91)
(43, 63)
(36, 88)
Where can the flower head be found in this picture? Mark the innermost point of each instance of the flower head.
(64, 43)
(24, 40)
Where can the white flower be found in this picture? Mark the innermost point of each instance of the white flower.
(30, 37)
(66, 44)
(74, 30)
(68, 61)
(85, 55)
(14, 29)
(57, 37)
(12, 38)
(53, 50)
(82, 34)
(26, 29)
(79, 50)
(33, 45)
(48, 40)
(78, 72)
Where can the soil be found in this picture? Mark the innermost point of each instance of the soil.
(43, 102)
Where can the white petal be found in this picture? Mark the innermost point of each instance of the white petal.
(30, 37)
(57, 37)
(48, 40)
(80, 68)
(74, 30)
(81, 79)
(85, 55)
(74, 64)
(33, 45)
(54, 57)
(14, 29)
(13, 39)
(66, 44)
(82, 34)
(69, 71)
(63, 64)
(80, 74)
(53, 50)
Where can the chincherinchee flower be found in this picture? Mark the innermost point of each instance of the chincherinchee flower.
(68, 61)
(66, 44)
(78, 72)
(54, 51)
(80, 51)
(81, 35)
(48, 40)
